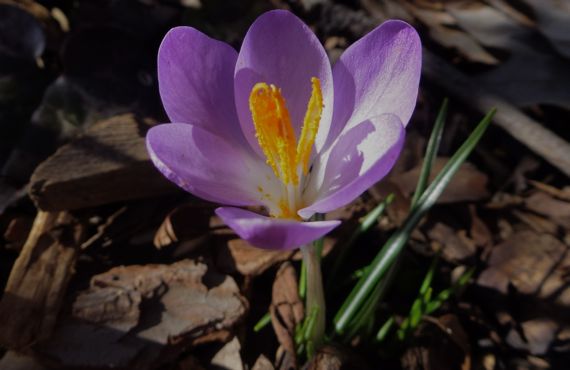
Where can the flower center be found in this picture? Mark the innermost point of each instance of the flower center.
(287, 157)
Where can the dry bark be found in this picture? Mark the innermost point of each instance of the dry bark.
(39, 279)
(531, 133)
(138, 317)
(286, 313)
(109, 163)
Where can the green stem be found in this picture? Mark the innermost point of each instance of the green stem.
(315, 296)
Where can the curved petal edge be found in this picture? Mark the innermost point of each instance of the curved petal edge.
(280, 49)
(197, 161)
(273, 233)
(359, 158)
(378, 74)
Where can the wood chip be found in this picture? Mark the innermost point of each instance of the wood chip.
(104, 165)
(248, 260)
(331, 357)
(287, 310)
(456, 246)
(185, 223)
(262, 363)
(140, 316)
(535, 222)
(557, 210)
(532, 263)
(228, 357)
(17, 232)
(469, 184)
(531, 133)
(38, 280)
(440, 344)
(538, 335)
(563, 193)
(479, 231)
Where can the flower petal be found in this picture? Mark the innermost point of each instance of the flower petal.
(378, 74)
(195, 75)
(280, 49)
(207, 165)
(358, 159)
(273, 233)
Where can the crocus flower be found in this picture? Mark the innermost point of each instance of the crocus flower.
(276, 126)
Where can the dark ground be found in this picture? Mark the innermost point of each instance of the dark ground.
(81, 76)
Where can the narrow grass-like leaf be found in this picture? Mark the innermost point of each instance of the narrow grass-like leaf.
(445, 294)
(263, 322)
(365, 224)
(385, 329)
(395, 244)
(303, 281)
(365, 314)
(426, 284)
(429, 158)
(431, 152)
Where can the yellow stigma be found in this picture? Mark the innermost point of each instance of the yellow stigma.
(310, 125)
(275, 133)
(273, 130)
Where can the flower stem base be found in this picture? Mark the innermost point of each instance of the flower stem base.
(315, 302)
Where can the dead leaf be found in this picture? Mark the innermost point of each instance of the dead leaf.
(538, 335)
(441, 343)
(17, 232)
(262, 363)
(126, 223)
(228, 357)
(557, 210)
(479, 231)
(456, 246)
(563, 194)
(491, 27)
(248, 260)
(531, 262)
(469, 184)
(502, 200)
(287, 310)
(331, 357)
(443, 29)
(187, 222)
(536, 223)
(553, 17)
(137, 316)
(511, 78)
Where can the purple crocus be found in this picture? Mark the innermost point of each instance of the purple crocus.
(276, 126)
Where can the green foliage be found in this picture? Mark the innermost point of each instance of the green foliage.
(424, 304)
(364, 297)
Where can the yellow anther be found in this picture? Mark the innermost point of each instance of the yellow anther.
(275, 133)
(310, 125)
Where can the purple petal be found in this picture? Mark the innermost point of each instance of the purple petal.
(273, 233)
(280, 49)
(195, 75)
(361, 157)
(207, 165)
(378, 74)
